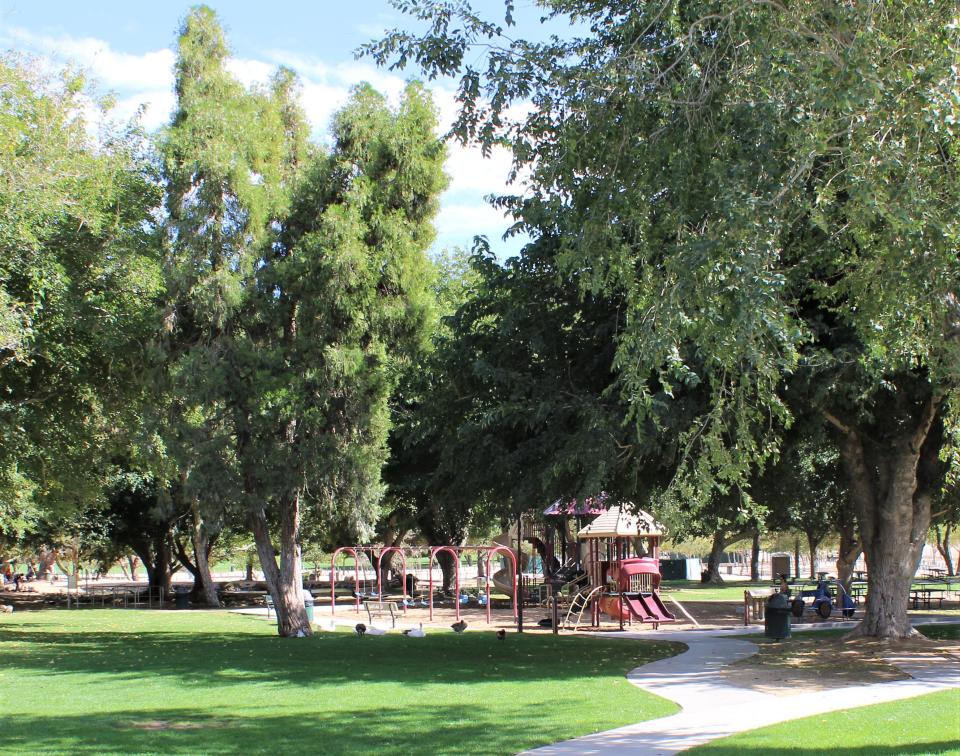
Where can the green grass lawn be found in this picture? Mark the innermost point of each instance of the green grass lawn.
(941, 632)
(928, 724)
(690, 590)
(126, 681)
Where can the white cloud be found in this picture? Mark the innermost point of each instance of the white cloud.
(113, 70)
(320, 101)
(156, 108)
(470, 171)
(458, 225)
(249, 72)
(462, 218)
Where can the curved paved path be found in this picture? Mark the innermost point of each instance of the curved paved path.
(713, 709)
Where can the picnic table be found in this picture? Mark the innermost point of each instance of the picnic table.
(243, 595)
(858, 589)
(926, 593)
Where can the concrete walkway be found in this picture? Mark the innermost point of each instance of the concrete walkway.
(713, 709)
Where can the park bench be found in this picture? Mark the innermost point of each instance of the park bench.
(381, 610)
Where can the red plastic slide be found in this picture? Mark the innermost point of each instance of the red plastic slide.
(647, 608)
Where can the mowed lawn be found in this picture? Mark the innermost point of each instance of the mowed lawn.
(928, 724)
(134, 681)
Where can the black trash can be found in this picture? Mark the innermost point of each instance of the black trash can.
(776, 617)
(181, 597)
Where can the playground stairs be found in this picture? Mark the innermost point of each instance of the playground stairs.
(576, 585)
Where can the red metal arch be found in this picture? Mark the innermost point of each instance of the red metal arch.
(356, 578)
(513, 562)
(455, 553)
(403, 562)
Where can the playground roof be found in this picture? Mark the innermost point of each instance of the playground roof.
(617, 523)
(591, 505)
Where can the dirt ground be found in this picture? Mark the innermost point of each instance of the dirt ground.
(805, 664)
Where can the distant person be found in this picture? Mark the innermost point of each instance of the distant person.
(17, 577)
(31, 575)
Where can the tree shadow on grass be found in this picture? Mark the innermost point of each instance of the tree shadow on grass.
(250, 655)
(443, 728)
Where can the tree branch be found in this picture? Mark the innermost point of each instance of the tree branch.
(837, 423)
(926, 421)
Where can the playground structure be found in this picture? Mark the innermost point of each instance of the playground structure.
(597, 557)
(623, 564)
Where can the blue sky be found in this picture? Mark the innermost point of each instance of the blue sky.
(127, 48)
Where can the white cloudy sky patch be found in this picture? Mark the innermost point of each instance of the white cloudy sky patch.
(146, 80)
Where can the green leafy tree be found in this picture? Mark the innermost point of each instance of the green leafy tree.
(343, 295)
(79, 271)
(804, 491)
(774, 186)
(141, 517)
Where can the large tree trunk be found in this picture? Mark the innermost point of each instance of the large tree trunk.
(395, 531)
(201, 552)
(891, 487)
(446, 562)
(720, 542)
(441, 530)
(156, 555)
(713, 561)
(47, 557)
(158, 576)
(197, 593)
(943, 545)
(284, 581)
(755, 557)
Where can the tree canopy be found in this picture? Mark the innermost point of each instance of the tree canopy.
(79, 271)
(774, 188)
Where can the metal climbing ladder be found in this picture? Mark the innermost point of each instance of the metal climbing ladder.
(579, 605)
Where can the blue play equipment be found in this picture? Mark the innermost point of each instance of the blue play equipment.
(823, 600)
